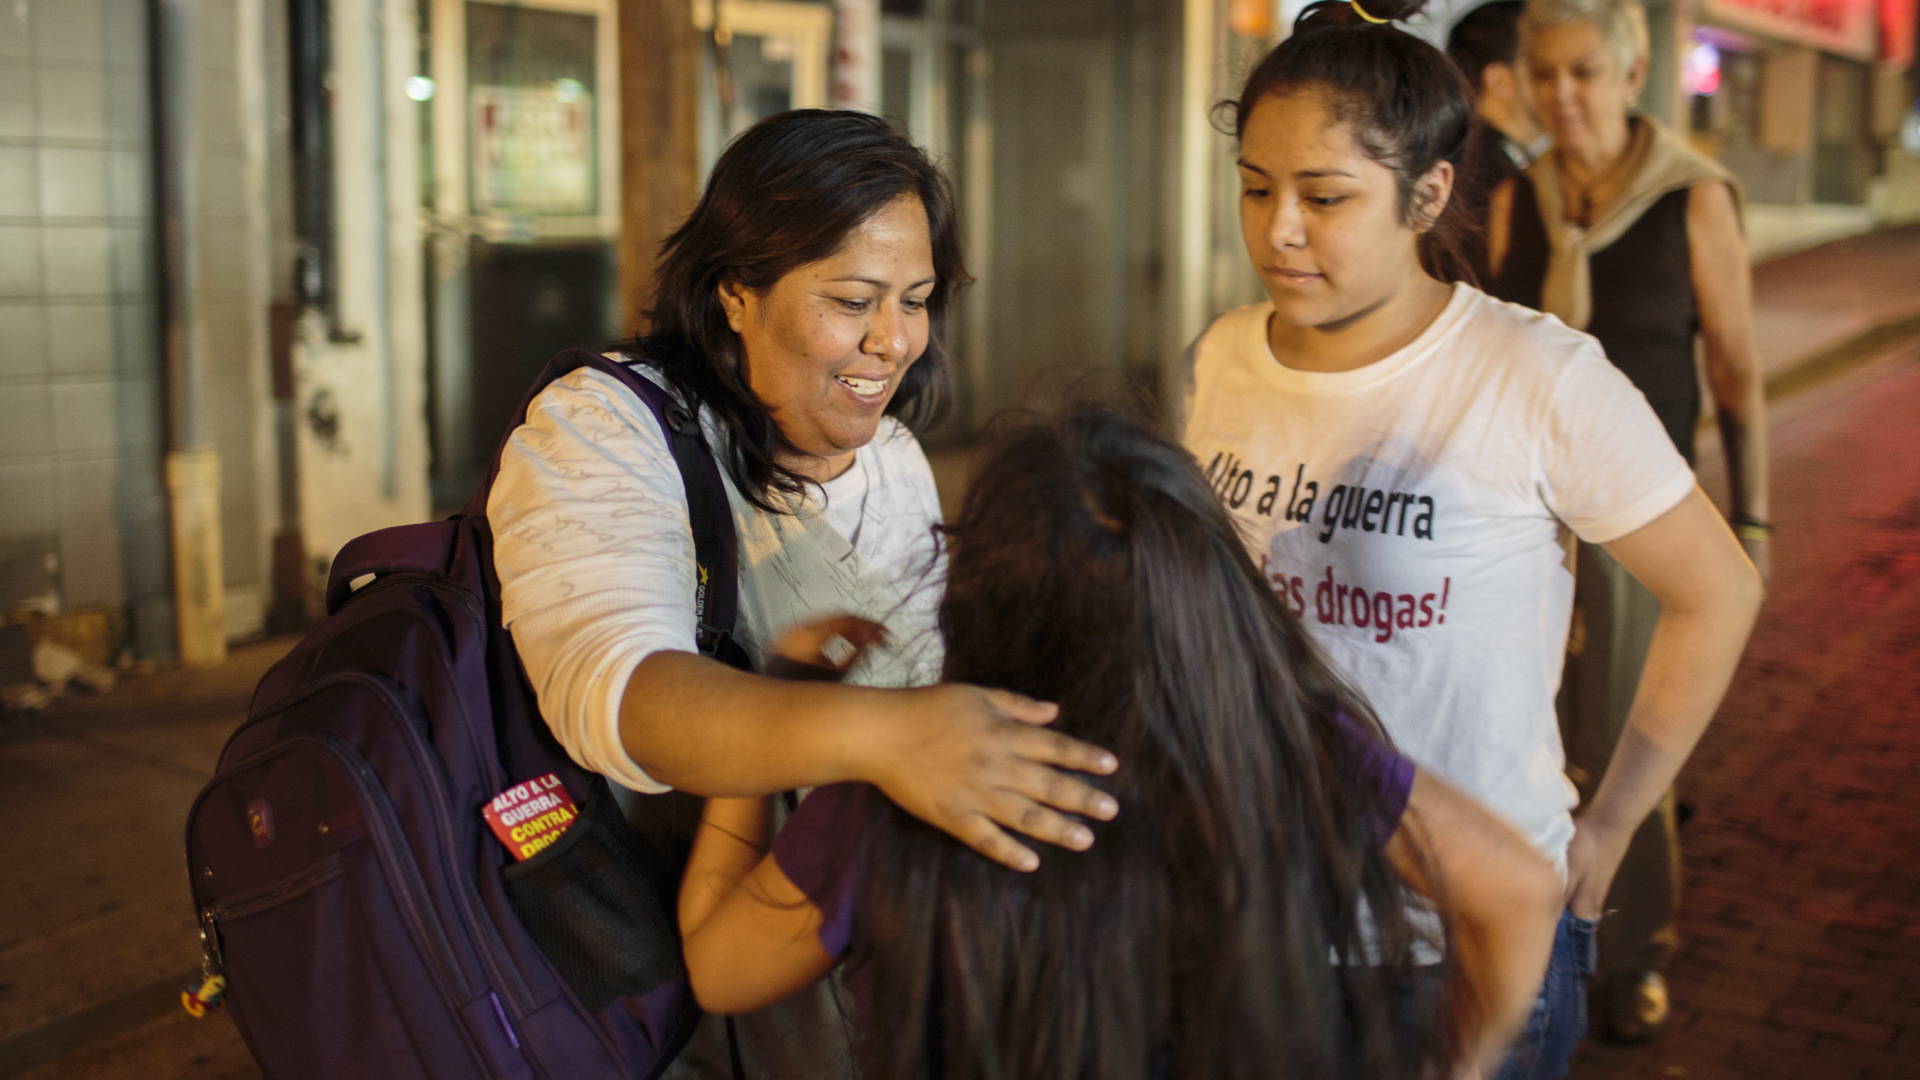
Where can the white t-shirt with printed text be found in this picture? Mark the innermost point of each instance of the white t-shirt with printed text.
(1412, 514)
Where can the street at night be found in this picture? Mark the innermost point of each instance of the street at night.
(1080, 540)
(1800, 950)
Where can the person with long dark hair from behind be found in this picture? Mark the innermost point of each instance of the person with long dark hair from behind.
(1406, 456)
(1218, 927)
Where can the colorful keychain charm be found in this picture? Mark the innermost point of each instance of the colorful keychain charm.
(208, 996)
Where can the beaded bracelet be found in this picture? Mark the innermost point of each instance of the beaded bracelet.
(1752, 529)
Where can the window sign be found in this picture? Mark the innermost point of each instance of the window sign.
(533, 149)
(1845, 27)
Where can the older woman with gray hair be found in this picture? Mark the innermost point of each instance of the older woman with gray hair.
(1624, 231)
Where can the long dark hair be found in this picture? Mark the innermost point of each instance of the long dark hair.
(1091, 565)
(785, 193)
(1408, 106)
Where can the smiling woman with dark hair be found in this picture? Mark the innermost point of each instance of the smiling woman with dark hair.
(785, 197)
(800, 314)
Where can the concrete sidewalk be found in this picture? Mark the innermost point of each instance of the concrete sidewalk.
(98, 933)
(1835, 302)
(97, 936)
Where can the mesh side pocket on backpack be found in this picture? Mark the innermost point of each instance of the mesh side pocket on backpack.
(596, 909)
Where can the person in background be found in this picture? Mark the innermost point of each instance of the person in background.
(1624, 231)
(1217, 929)
(1485, 43)
(1406, 456)
(799, 313)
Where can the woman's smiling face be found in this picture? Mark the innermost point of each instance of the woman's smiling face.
(826, 346)
(1321, 220)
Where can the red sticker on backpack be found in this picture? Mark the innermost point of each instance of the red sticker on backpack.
(530, 816)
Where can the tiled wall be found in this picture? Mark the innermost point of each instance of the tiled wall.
(82, 507)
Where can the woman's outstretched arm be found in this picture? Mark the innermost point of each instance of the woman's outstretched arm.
(971, 762)
(1502, 900)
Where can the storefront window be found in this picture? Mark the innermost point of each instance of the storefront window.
(1841, 162)
(1723, 84)
(761, 57)
(531, 79)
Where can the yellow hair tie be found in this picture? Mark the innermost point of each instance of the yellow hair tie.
(1365, 14)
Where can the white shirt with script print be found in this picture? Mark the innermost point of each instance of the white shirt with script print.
(1412, 513)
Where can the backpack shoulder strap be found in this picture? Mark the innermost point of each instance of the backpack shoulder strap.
(716, 601)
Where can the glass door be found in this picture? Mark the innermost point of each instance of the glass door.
(763, 57)
(523, 213)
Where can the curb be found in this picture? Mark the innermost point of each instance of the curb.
(1840, 357)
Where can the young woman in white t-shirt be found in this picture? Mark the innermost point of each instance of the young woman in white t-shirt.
(1406, 455)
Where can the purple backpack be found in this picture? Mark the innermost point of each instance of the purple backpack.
(365, 917)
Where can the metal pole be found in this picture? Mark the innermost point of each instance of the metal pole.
(1193, 253)
(192, 466)
(856, 55)
(177, 173)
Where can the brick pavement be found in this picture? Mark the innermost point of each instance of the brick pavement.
(1801, 953)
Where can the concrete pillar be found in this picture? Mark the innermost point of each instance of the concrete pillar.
(856, 55)
(192, 466)
(659, 138)
(199, 606)
(1201, 46)
(1666, 95)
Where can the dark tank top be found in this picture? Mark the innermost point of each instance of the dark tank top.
(1643, 309)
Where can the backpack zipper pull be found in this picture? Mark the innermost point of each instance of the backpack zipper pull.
(213, 983)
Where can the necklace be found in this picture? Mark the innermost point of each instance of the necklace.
(1579, 201)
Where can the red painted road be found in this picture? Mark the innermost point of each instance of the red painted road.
(1802, 946)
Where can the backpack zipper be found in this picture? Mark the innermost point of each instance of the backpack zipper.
(280, 891)
(212, 960)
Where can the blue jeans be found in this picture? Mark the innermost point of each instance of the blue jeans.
(1544, 1050)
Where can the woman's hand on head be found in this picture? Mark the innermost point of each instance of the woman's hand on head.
(976, 763)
